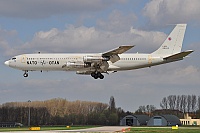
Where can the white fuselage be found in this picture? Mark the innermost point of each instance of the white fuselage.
(55, 62)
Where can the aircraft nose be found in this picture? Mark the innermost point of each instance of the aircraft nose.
(6, 63)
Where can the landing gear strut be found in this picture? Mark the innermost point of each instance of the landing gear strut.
(97, 75)
(25, 74)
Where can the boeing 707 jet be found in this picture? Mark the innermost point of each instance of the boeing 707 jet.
(98, 63)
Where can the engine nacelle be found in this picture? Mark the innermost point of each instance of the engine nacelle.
(77, 65)
(93, 59)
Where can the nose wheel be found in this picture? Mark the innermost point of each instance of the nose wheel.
(97, 75)
(25, 74)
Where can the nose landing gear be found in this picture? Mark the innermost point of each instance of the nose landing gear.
(25, 74)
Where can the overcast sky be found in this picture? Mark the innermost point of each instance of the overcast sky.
(71, 26)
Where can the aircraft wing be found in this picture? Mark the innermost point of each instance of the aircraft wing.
(119, 50)
(178, 55)
(113, 54)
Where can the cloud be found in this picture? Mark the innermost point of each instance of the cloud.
(91, 39)
(162, 12)
(194, 57)
(151, 40)
(46, 8)
(117, 21)
(9, 42)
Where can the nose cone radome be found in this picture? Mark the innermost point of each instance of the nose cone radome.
(6, 63)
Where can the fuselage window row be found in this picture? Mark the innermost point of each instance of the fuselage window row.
(52, 58)
(133, 58)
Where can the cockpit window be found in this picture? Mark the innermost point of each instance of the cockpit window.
(14, 58)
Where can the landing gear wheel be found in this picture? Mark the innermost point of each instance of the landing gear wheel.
(97, 75)
(25, 74)
(101, 76)
(93, 74)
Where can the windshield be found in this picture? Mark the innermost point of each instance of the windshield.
(14, 58)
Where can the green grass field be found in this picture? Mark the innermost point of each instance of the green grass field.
(165, 130)
(133, 129)
(44, 128)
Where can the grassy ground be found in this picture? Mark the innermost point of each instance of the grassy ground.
(165, 130)
(133, 129)
(44, 128)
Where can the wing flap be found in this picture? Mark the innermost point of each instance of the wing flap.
(179, 55)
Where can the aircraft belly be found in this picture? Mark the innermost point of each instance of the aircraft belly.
(52, 68)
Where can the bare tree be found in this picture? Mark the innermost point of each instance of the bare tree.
(174, 101)
(181, 103)
(142, 108)
(189, 103)
(164, 103)
(184, 100)
(194, 102)
(178, 100)
(171, 101)
(152, 108)
(146, 109)
(198, 104)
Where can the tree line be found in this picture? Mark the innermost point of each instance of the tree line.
(62, 112)
(174, 104)
(148, 109)
(183, 103)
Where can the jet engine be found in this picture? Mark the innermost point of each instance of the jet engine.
(76, 65)
(94, 59)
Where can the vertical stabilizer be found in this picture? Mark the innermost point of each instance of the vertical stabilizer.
(174, 41)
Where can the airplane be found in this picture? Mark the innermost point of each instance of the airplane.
(95, 64)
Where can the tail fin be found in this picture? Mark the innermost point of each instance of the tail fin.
(174, 41)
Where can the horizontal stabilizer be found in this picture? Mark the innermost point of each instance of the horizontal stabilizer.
(178, 55)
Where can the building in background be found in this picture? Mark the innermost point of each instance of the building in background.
(189, 121)
(164, 120)
(134, 120)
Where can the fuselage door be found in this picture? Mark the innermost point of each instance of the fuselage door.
(23, 59)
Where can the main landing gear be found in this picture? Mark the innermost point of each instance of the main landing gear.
(25, 74)
(97, 75)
